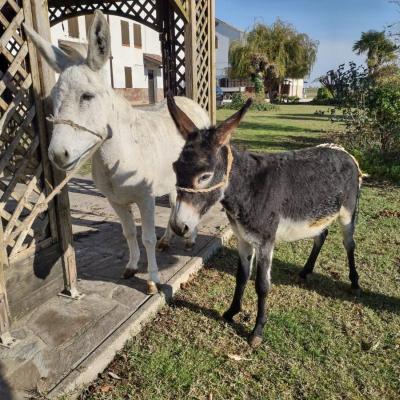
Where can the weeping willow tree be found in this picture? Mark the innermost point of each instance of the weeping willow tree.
(270, 54)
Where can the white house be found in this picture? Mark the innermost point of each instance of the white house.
(135, 67)
(225, 34)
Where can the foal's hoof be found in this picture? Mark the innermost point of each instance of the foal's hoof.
(129, 273)
(255, 341)
(162, 245)
(152, 288)
(356, 291)
(189, 246)
(227, 316)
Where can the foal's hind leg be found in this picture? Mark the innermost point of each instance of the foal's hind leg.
(310, 264)
(347, 221)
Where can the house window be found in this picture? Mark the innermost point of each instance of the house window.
(125, 33)
(73, 27)
(88, 23)
(216, 42)
(137, 36)
(128, 77)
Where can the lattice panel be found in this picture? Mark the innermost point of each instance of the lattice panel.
(21, 172)
(179, 56)
(144, 11)
(203, 53)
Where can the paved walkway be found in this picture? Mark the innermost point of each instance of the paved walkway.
(65, 342)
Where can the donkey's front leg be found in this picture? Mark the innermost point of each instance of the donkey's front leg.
(263, 285)
(147, 210)
(125, 214)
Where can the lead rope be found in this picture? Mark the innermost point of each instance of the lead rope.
(224, 181)
(41, 206)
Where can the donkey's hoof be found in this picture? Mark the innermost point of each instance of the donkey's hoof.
(152, 288)
(255, 341)
(162, 245)
(129, 273)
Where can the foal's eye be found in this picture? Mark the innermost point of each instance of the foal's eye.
(87, 96)
(204, 177)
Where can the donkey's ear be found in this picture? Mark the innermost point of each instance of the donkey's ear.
(182, 121)
(99, 42)
(226, 128)
(56, 58)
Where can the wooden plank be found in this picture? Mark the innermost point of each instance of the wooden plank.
(4, 310)
(212, 67)
(41, 124)
(34, 280)
(47, 79)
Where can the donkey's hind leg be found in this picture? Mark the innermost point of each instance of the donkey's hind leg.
(347, 221)
(125, 214)
(310, 264)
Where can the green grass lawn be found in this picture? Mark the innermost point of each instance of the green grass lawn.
(320, 342)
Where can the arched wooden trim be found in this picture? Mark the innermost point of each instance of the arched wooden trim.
(143, 11)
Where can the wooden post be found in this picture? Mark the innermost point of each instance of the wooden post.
(212, 66)
(47, 79)
(5, 338)
(190, 52)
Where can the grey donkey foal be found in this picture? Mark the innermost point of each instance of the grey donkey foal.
(267, 197)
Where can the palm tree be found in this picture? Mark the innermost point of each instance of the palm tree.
(378, 47)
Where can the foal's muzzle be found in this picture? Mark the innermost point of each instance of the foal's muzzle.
(180, 229)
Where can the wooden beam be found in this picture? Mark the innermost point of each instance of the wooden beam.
(4, 311)
(212, 66)
(47, 78)
(185, 14)
(190, 52)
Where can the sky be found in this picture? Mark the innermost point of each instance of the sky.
(336, 24)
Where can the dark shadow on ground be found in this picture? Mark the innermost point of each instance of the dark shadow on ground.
(5, 390)
(284, 273)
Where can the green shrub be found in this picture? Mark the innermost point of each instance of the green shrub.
(259, 103)
(324, 94)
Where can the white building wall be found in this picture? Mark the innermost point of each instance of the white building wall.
(123, 56)
(226, 34)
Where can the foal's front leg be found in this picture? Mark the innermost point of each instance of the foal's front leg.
(242, 276)
(147, 211)
(125, 214)
(263, 285)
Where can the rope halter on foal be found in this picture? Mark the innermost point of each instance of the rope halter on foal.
(224, 181)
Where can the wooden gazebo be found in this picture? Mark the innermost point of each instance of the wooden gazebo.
(37, 259)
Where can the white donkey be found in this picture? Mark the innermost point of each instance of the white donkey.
(134, 162)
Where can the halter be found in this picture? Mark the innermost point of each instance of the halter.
(57, 121)
(224, 181)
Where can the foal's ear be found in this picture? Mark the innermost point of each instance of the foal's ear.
(226, 128)
(56, 58)
(182, 121)
(99, 42)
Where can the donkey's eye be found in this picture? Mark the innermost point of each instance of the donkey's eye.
(87, 96)
(204, 177)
